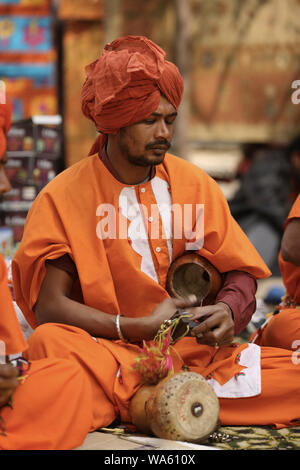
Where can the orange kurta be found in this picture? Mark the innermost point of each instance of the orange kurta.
(73, 210)
(127, 274)
(282, 329)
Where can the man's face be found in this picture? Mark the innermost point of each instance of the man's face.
(4, 182)
(146, 143)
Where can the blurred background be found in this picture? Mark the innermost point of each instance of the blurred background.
(239, 118)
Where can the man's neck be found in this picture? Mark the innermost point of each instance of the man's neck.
(126, 172)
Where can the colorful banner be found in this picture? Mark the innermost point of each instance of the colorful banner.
(29, 100)
(42, 74)
(28, 57)
(21, 34)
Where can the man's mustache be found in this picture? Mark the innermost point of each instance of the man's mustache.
(159, 143)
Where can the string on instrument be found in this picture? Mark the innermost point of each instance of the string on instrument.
(155, 361)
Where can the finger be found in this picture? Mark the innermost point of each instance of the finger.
(186, 302)
(5, 397)
(200, 312)
(208, 338)
(216, 338)
(194, 313)
(8, 383)
(213, 329)
(6, 370)
(207, 324)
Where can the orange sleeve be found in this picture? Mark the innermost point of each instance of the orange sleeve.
(10, 329)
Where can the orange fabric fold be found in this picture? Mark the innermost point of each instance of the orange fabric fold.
(51, 409)
(87, 383)
(114, 384)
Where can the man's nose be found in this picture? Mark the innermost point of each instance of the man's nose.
(5, 185)
(162, 131)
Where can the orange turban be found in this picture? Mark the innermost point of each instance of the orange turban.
(5, 120)
(125, 84)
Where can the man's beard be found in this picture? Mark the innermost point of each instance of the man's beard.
(142, 160)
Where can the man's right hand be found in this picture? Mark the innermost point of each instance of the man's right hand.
(8, 382)
(164, 311)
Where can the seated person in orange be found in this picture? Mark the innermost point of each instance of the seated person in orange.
(27, 389)
(90, 272)
(282, 328)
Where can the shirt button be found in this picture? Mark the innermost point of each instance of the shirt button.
(157, 249)
(150, 219)
(143, 190)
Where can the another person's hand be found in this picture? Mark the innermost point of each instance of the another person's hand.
(216, 325)
(8, 382)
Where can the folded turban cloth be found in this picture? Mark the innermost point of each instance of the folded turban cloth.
(125, 84)
(5, 120)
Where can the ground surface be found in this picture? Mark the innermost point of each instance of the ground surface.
(235, 438)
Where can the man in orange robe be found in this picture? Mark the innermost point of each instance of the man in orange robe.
(282, 328)
(91, 270)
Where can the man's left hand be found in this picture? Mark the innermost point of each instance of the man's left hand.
(216, 325)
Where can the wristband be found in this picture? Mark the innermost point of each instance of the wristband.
(119, 328)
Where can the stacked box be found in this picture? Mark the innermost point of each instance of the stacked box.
(34, 151)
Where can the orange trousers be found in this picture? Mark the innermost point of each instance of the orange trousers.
(282, 330)
(77, 384)
(50, 410)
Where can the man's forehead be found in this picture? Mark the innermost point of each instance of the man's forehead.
(165, 107)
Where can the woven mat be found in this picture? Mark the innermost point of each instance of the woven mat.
(257, 438)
